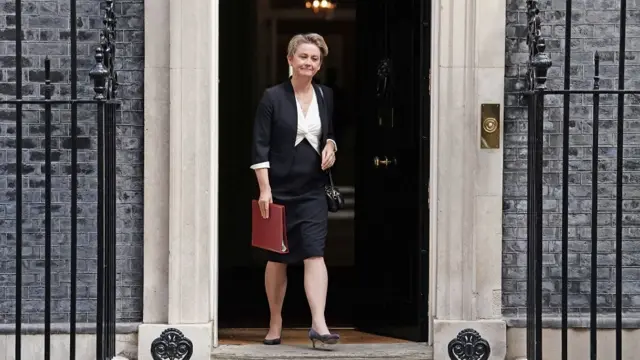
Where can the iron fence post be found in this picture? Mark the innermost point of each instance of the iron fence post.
(539, 64)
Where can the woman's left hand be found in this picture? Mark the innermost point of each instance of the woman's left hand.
(328, 156)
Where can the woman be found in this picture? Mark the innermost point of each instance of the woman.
(293, 146)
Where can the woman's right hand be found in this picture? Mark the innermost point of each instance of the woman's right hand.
(263, 202)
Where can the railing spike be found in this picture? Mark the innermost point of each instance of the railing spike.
(48, 88)
(596, 71)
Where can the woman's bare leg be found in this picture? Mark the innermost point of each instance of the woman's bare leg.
(316, 281)
(275, 283)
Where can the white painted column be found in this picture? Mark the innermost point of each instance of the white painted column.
(190, 166)
(466, 183)
(192, 175)
(156, 162)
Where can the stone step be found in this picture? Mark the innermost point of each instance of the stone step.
(407, 351)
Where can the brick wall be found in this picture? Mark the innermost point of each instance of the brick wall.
(595, 27)
(46, 32)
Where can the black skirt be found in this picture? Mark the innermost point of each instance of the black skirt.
(302, 194)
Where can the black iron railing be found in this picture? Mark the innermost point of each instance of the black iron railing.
(535, 95)
(104, 113)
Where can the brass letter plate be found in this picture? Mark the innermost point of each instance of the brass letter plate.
(490, 126)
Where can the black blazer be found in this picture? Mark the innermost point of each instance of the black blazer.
(276, 126)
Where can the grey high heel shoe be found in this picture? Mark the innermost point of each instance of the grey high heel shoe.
(328, 339)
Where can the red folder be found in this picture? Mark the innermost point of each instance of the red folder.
(269, 234)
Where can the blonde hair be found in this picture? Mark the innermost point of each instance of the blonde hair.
(310, 38)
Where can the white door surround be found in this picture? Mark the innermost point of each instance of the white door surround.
(180, 226)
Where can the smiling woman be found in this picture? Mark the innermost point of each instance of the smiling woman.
(254, 58)
(292, 173)
(308, 44)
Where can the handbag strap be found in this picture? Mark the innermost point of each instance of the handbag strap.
(328, 171)
(330, 178)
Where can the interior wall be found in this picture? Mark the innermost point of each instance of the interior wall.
(237, 102)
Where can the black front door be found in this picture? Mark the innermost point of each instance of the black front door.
(391, 186)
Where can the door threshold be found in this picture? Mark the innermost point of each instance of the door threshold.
(300, 337)
(407, 351)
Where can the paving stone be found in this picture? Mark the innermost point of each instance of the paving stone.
(408, 351)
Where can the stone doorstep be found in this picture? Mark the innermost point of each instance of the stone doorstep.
(408, 351)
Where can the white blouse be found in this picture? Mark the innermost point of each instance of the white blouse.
(309, 127)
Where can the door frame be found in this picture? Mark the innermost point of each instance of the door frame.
(425, 126)
(476, 50)
(434, 63)
(214, 271)
(431, 222)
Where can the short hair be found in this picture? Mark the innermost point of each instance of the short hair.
(310, 38)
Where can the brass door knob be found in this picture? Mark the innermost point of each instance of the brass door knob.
(377, 162)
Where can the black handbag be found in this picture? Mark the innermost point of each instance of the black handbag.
(335, 201)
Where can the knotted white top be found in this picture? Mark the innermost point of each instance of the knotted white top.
(309, 127)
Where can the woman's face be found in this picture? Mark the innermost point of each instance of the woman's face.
(306, 61)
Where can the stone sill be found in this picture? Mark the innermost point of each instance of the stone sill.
(555, 322)
(63, 328)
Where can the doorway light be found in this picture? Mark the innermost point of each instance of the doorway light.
(321, 5)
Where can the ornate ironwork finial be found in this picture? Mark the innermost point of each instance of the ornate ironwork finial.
(539, 60)
(99, 75)
(171, 345)
(108, 42)
(469, 345)
(103, 73)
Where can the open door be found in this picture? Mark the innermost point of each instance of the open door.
(391, 207)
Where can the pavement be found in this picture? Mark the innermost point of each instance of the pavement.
(407, 351)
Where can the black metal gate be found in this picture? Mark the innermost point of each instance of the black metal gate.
(538, 97)
(100, 109)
